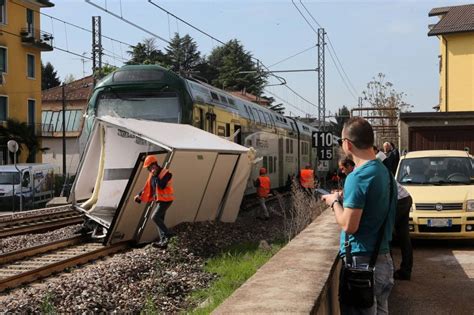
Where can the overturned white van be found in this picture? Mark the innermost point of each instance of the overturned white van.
(209, 176)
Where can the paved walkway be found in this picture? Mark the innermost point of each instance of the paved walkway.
(442, 279)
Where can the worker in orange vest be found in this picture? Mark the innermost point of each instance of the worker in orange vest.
(263, 190)
(307, 181)
(159, 189)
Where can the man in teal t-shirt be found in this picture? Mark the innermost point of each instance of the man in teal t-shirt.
(365, 207)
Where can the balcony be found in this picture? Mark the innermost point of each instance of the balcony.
(37, 38)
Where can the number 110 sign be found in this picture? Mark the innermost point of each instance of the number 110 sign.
(323, 141)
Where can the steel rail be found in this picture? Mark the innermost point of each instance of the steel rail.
(39, 223)
(41, 261)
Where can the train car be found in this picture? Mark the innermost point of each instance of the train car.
(151, 92)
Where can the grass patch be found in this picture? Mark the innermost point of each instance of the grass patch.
(234, 266)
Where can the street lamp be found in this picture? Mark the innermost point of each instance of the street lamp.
(13, 148)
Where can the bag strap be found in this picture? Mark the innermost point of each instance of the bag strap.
(373, 258)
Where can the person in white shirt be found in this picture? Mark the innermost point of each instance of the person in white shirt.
(379, 154)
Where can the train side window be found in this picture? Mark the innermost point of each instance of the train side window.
(275, 163)
(262, 117)
(227, 130)
(270, 165)
(214, 96)
(252, 115)
(223, 99)
(248, 143)
(291, 146)
(257, 115)
(287, 146)
(265, 162)
(248, 113)
(269, 118)
(231, 101)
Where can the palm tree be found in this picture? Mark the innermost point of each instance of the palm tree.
(22, 133)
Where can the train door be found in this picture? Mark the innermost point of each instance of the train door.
(281, 170)
(238, 138)
(210, 121)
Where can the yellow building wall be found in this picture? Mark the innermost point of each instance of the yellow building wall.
(18, 87)
(457, 87)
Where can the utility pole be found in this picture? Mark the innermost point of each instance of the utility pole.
(321, 80)
(96, 48)
(64, 134)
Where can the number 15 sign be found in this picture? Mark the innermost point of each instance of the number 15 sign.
(323, 142)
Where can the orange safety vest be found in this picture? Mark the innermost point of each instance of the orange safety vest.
(264, 189)
(307, 178)
(166, 194)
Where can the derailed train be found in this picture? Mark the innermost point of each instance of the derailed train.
(150, 92)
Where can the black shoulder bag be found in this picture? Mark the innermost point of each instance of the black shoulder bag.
(356, 284)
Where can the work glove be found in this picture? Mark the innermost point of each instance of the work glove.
(137, 199)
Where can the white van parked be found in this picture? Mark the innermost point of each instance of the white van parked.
(34, 181)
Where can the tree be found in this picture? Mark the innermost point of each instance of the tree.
(225, 64)
(49, 77)
(69, 78)
(381, 95)
(107, 69)
(343, 114)
(22, 133)
(182, 54)
(146, 53)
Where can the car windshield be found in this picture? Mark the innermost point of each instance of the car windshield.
(436, 171)
(9, 178)
(157, 106)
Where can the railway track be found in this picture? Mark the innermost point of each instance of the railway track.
(28, 265)
(40, 222)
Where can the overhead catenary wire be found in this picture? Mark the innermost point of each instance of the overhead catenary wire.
(342, 68)
(55, 47)
(336, 64)
(283, 82)
(70, 24)
(128, 22)
(312, 17)
(292, 56)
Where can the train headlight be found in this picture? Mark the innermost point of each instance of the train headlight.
(470, 205)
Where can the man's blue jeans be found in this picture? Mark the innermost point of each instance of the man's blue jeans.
(383, 274)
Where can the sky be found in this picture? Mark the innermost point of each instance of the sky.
(367, 37)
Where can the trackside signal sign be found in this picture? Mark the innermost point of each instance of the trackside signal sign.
(323, 142)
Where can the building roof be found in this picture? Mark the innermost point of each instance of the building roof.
(454, 19)
(250, 97)
(76, 90)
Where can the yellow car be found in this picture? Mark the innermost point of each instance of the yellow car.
(441, 183)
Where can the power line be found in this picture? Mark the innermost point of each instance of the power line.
(304, 17)
(214, 38)
(127, 21)
(310, 14)
(292, 56)
(340, 74)
(287, 103)
(71, 24)
(56, 47)
(342, 68)
(337, 65)
(188, 24)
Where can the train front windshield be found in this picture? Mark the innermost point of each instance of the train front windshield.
(158, 106)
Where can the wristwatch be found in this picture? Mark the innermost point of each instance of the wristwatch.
(335, 201)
